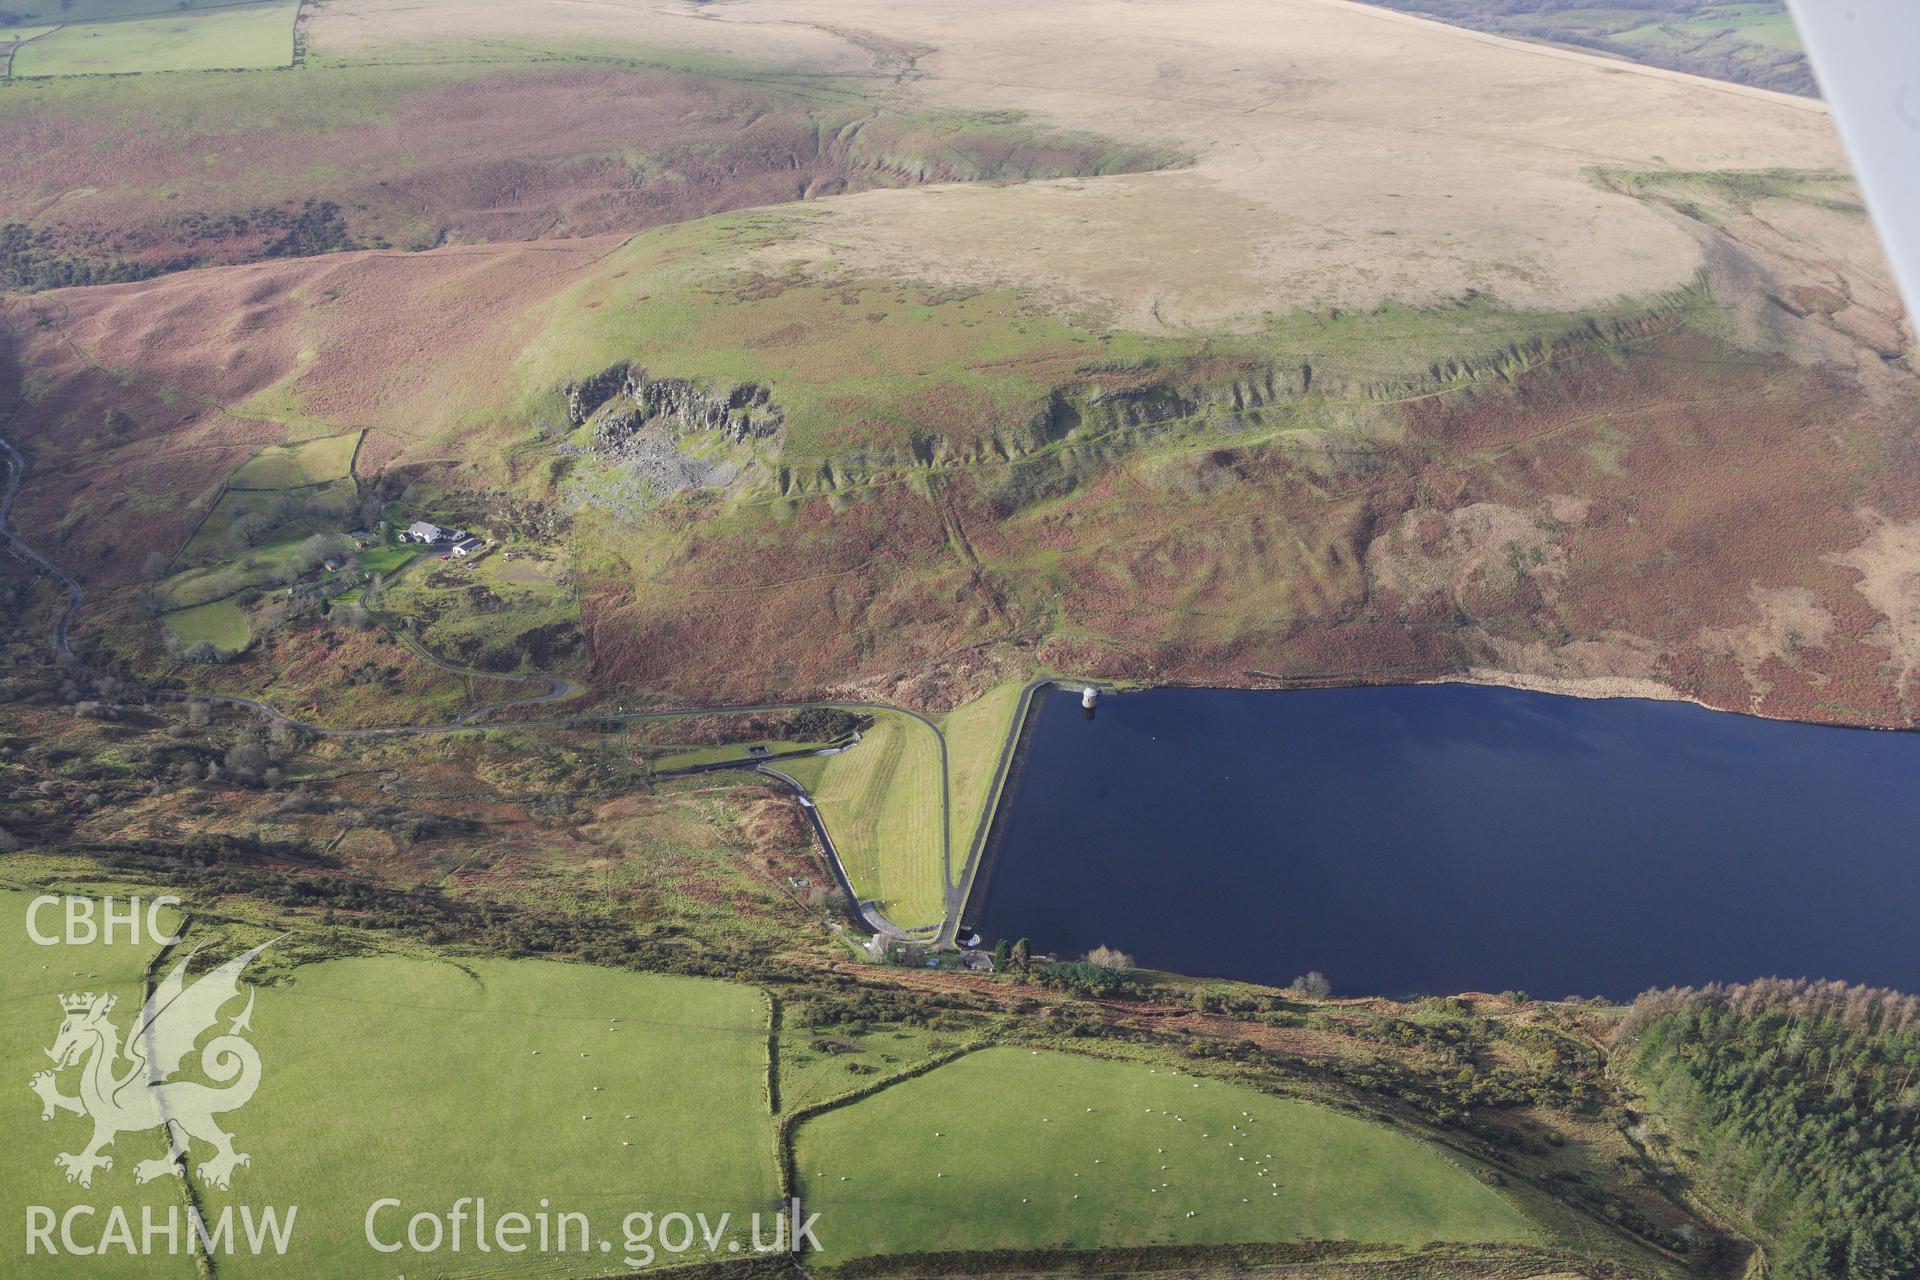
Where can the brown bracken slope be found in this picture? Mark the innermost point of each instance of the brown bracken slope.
(1707, 489)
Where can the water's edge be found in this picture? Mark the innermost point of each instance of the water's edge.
(1713, 809)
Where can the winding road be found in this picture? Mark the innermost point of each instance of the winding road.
(560, 689)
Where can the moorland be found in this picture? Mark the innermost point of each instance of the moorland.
(826, 377)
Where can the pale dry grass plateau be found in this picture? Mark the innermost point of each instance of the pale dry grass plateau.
(1343, 155)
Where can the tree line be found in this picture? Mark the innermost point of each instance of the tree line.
(1802, 1101)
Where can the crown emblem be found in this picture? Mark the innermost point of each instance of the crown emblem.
(144, 1072)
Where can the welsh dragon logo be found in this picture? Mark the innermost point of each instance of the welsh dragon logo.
(130, 1087)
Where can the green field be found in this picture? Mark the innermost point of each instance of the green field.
(426, 1081)
(216, 39)
(288, 483)
(11, 39)
(817, 1066)
(58, 11)
(1753, 42)
(1767, 24)
(976, 731)
(283, 480)
(295, 466)
(880, 801)
(334, 499)
(221, 623)
(1006, 1149)
(1763, 24)
(20, 35)
(32, 978)
(378, 559)
(299, 489)
(256, 567)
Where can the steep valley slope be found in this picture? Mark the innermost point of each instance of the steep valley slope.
(1349, 347)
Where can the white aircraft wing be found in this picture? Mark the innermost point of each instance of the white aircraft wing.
(1866, 56)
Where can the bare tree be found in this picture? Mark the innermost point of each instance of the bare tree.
(249, 528)
(247, 761)
(313, 552)
(1313, 984)
(1110, 958)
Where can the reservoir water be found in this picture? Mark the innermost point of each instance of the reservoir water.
(1445, 838)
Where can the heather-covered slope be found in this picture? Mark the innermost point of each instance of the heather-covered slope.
(136, 175)
(1390, 382)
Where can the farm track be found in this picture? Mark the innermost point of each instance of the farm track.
(559, 688)
(956, 888)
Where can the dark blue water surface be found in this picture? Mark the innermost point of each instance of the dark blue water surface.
(1446, 838)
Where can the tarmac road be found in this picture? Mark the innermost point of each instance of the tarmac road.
(559, 689)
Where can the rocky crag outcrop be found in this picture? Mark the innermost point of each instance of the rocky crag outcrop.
(621, 401)
(1108, 409)
(641, 423)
